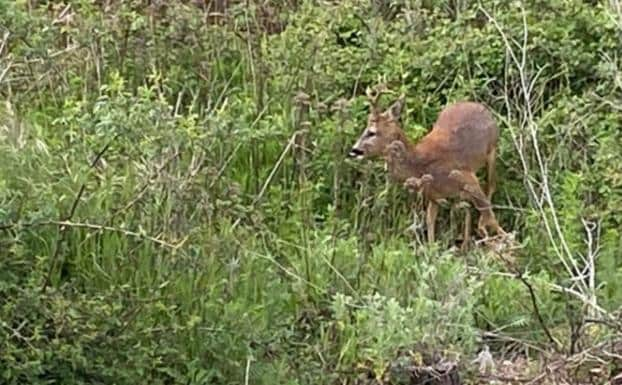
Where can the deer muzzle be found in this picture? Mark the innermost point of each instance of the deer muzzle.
(355, 153)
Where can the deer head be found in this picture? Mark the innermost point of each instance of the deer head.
(417, 184)
(383, 127)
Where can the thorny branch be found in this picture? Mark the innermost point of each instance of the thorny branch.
(534, 300)
(65, 224)
(70, 214)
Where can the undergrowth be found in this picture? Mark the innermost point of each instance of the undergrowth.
(176, 205)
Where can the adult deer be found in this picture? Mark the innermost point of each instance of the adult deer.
(462, 140)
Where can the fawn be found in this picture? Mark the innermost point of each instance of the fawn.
(443, 163)
(438, 182)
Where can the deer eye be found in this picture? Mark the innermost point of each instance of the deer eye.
(371, 134)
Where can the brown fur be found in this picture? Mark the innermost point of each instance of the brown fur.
(443, 163)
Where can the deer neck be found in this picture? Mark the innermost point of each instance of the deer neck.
(410, 146)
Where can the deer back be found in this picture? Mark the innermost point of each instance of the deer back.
(465, 132)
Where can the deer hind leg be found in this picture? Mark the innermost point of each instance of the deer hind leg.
(491, 160)
(472, 191)
(432, 212)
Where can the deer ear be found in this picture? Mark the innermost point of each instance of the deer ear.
(395, 111)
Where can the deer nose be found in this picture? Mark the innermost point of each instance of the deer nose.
(355, 153)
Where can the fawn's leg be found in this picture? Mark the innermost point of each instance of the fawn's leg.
(467, 220)
(432, 212)
(452, 219)
(467, 229)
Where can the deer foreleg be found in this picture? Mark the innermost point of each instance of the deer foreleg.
(466, 238)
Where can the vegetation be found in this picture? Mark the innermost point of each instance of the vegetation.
(176, 206)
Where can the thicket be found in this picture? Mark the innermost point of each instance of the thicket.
(176, 206)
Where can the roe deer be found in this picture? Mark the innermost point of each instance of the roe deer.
(463, 138)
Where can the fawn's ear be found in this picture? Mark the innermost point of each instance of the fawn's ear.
(395, 111)
(397, 145)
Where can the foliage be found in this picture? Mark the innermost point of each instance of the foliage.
(171, 212)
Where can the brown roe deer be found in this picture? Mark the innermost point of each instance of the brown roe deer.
(462, 140)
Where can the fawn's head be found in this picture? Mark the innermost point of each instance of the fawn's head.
(383, 127)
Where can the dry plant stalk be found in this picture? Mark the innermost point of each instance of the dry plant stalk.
(526, 141)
